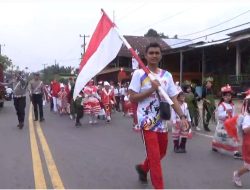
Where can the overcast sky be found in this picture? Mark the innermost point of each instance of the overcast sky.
(37, 32)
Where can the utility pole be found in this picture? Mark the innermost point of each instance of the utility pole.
(44, 67)
(84, 42)
(1, 48)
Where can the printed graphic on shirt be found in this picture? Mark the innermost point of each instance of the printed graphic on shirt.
(148, 110)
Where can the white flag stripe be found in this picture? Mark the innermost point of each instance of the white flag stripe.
(105, 53)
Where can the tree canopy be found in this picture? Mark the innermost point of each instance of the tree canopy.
(153, 33)
(5, 61)
(55, 70)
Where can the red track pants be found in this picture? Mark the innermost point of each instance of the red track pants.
(156, 148)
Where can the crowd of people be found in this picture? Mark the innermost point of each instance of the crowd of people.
(96, 101)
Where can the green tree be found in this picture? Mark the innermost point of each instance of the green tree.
(50, 72)
(5, 61)
(153, 33)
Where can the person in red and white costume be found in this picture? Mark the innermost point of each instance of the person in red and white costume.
(108, 99)
(55, 88)
(178, 134)
(245, 145)
(221, 141)
(91, 102)
(62, 101)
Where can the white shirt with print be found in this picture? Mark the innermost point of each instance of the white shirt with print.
(175, 117)
(148, 109)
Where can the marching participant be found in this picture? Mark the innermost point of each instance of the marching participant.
(192, 104)
(208, 103)
(221, 141)
(245, 145)
(91, 103)
(155, 134)
(178, 134)
(36, 90)
(19, 93)
(62, 100)
(55, 88)
(108, 99)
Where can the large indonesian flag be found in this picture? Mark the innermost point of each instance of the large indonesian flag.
(103, 47)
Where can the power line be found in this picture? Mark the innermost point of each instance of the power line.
(133, 10)
(212, 33)
(162, 20)
(216, 24)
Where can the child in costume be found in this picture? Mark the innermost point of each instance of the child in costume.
(91, 102)
(62, 100)
(245, 127)
(108, 99)
(178, 134)
(222, 141)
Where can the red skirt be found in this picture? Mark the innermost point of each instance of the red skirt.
(246, 148)
(92, 107)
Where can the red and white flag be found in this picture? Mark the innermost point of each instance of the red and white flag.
(103, 47)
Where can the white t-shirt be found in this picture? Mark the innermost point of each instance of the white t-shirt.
(225, 110)
(175, 117)
(246, 121)
(148, 109)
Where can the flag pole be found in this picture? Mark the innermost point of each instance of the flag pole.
(146, 70)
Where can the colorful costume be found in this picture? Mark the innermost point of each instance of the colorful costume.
(222, 141)
(91, 103)
(55, 88)
(178, 134)
(62, 101)
(108, 100)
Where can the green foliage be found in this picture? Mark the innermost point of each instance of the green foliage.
(153, 33)
(5, 61)
(53, 71)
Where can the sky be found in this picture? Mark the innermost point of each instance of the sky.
(36, 32)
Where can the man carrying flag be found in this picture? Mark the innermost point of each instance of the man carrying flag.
(155, 133)
(103, 48)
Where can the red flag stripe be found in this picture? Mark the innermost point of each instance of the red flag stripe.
(101, 31)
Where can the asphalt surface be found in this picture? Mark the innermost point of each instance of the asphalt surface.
(102, 156)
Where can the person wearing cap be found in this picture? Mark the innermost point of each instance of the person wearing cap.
(245, 127)
(221, 141)
(179, 135)
(208, 103)
(191, 101)
(108, 99)
(19, 94)
(36, 91)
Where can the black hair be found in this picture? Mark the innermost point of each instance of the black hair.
(180, 94)
(222, 100)
(185, 87)
(154, 45)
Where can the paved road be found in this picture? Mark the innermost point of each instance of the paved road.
(56, 154)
